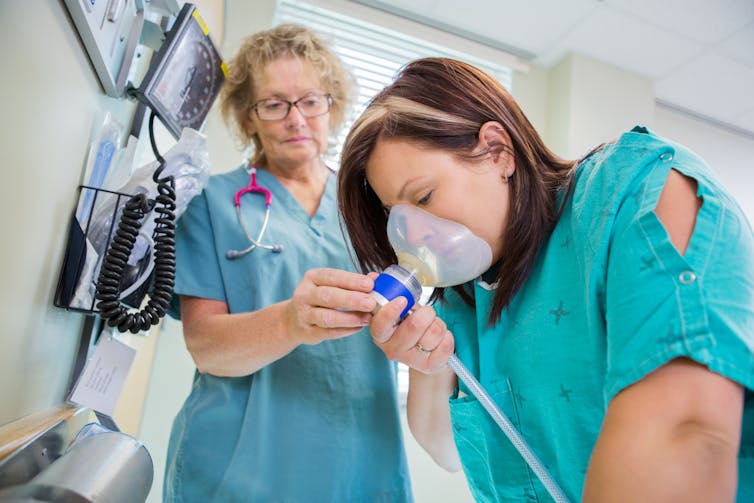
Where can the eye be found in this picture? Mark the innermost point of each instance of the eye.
(272, 105)
(424, 200)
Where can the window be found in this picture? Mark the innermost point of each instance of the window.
(373, 53)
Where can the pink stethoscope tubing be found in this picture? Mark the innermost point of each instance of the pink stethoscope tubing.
(254, 188)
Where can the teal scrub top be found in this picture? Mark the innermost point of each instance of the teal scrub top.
(322, 423)
(608, 301)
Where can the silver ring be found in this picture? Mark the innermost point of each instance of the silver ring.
(423, 349)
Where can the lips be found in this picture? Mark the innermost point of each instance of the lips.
(297, 139)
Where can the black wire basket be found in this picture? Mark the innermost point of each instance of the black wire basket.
(90, 233)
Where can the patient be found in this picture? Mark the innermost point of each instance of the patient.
(609, 327)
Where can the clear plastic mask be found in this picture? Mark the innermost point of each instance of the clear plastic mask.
(438, 252)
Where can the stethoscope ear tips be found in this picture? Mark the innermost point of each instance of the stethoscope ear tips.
(277, 248)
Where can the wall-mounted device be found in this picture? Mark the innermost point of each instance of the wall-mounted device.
(110, 31)
(185, 75)
(183, 79)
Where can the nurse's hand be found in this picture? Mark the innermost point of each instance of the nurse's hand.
(329, 304)
(421, 340)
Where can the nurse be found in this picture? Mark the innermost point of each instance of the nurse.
(615, 326)
(291, 400)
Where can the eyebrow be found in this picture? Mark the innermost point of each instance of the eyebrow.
(401, 193)
(282, 96)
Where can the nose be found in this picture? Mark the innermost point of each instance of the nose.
(418, 232)
(295, 117)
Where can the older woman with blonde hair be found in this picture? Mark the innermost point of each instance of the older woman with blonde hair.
(291, 400)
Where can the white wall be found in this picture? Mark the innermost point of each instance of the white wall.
(51, 99)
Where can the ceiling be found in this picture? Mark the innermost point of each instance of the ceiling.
(698, 53)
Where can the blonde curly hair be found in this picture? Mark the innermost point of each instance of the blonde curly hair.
(238, 94)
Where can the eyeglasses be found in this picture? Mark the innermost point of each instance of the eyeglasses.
(274, 109)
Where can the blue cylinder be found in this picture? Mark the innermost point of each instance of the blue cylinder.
(396, 281)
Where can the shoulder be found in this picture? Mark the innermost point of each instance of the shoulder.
(621, 183)
(236, 177)
(218, 192)
(640, 150)
(634, 166)
(222, 187)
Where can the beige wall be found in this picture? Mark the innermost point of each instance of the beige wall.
(530, 91)
(591, 102)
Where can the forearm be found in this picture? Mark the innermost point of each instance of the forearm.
(686, 464)
(429, 416)
(239, 344)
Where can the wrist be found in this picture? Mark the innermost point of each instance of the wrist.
(289, 331)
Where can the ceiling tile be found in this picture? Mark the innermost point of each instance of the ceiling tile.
(740, 45)
(711, 85)
(625, 42)
(520, 26)
(700, 20)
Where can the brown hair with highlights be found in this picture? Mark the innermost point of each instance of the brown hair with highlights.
(442, 103)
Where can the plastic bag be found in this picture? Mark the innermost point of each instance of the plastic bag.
(188, 163)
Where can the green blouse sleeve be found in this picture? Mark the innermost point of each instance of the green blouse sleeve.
(661, 305)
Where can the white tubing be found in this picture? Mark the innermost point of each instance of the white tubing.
(510, 431)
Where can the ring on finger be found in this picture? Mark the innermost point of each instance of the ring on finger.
(422, 349)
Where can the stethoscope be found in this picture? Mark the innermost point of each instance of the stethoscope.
(253, 187)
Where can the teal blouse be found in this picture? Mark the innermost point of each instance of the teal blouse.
(322, 423)
(609, 300)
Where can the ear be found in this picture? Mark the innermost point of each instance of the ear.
(494, 137)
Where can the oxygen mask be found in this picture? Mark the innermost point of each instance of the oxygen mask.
(432, 252)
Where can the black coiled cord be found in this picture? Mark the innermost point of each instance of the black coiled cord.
(116, 259)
